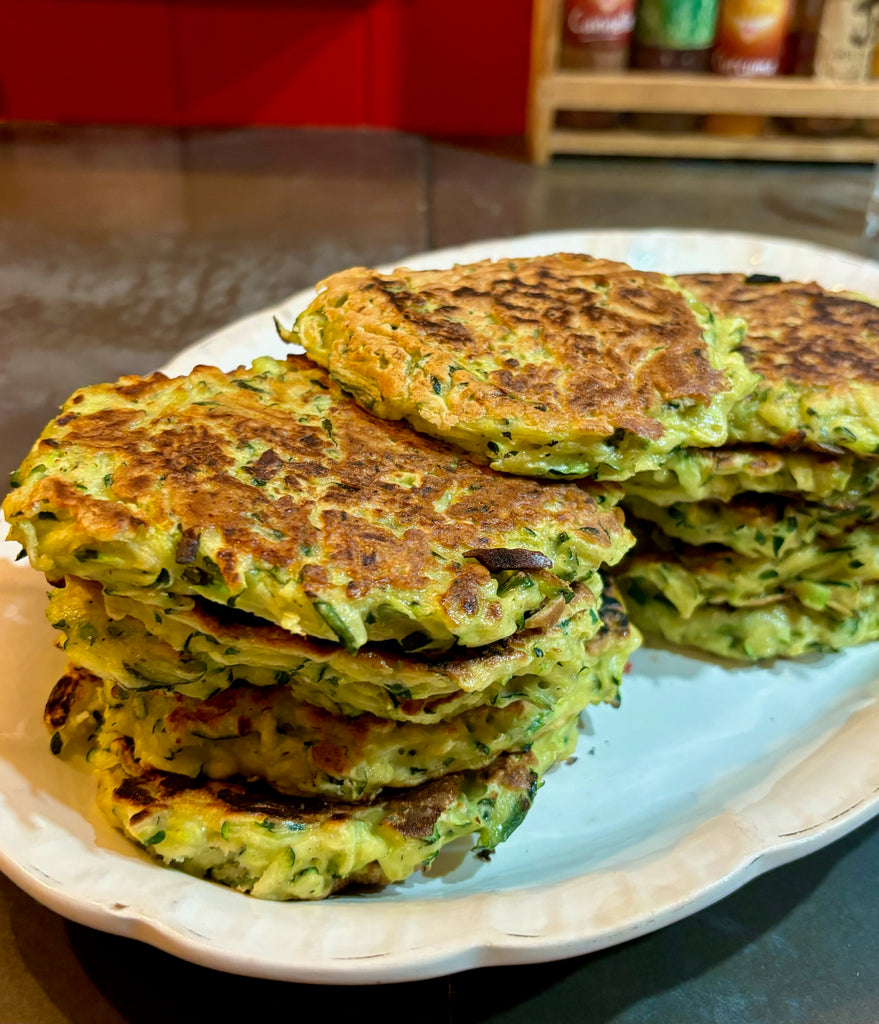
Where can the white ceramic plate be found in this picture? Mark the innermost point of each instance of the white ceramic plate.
(703, 779)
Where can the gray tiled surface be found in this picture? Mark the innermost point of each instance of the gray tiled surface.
(117, 248)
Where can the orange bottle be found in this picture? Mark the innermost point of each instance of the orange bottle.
(750, 42)
(750, 37)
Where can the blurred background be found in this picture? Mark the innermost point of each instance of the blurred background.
(462, 68)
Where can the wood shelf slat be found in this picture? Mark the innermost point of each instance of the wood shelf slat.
(622, 142)
(712, 94)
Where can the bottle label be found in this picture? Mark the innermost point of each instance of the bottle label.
(593, 21)
(744, 67)
(750, 37)
(846, 39)
(677, 24)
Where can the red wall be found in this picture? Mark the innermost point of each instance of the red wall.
(453, 67)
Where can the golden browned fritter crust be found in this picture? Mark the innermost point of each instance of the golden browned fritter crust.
(817, 354)
(796, 332)
(555, 364)
(269, 489)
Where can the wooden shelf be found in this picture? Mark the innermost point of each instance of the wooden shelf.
(776, 146)
(553, 89)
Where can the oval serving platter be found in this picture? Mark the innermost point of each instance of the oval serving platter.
(703, 779)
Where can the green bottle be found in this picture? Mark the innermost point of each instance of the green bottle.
(673, 35)
(676, 25)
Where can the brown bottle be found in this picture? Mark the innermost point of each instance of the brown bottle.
(597, 36)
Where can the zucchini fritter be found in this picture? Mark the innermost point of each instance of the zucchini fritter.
(558, 365)
(754, 525)
(827, 574)
(269, 490)
(816, 354)
(783, 629)
(698, 474)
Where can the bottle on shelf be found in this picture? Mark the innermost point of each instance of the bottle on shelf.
(596, 36)
(846, 38)
(844, 52)
(750, 43)
(802, 38)
(673, 35)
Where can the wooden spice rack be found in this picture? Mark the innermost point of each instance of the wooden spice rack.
(552, 89)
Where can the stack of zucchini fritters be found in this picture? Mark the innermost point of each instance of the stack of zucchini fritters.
(308, 648)
(309, 645)
(767, 547)
(749, 459)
